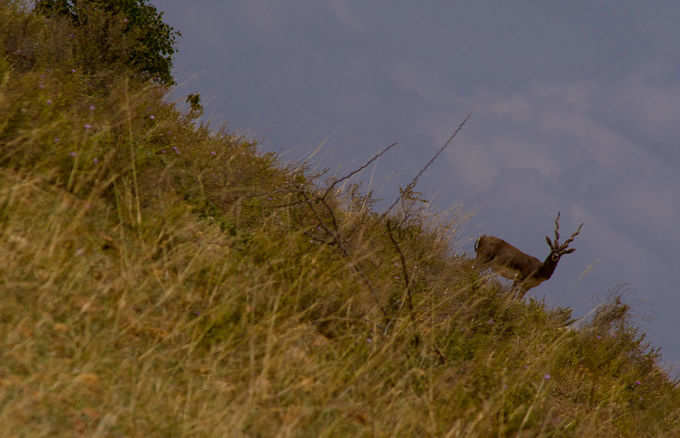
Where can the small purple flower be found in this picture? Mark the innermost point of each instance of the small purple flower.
(152, 117)
(56, 139)
(547, 377)
(213, 153)
(73, 70)
(49, 101)
(637, 382)
(92, 107)
(174, 148)
(73, 154)
(96, 160)
(88, 126)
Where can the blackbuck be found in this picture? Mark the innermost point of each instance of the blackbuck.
(526, 271)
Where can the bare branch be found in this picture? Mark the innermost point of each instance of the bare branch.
(408, 296)
(413, 182)
(336, 239)
(354, 172)
(404, 269)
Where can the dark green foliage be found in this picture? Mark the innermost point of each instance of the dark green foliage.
(152, 43)
(194, 101)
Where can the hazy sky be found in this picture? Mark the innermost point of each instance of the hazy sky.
(576, 107)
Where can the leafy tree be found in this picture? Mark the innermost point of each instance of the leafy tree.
(154, 48)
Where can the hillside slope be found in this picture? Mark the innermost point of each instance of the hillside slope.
(162, 279)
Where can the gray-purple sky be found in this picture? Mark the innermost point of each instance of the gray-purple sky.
(576, 107)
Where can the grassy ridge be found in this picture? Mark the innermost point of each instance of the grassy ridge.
(159, 279)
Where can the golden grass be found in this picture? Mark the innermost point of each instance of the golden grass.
(157, 279)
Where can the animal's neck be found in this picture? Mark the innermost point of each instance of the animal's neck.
(547, 268)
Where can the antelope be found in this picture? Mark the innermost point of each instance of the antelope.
(526, 271)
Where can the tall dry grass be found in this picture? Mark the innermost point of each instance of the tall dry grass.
(161, 279)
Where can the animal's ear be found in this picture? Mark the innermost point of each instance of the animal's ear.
(547, 239)
(569, 251)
